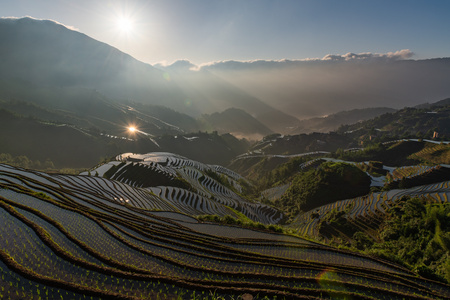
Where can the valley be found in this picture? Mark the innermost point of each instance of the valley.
(319, 178)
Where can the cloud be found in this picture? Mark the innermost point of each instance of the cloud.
(319, 86)
(178, 65)
(398, 55)
(233, 65)
(402, 54)
(25, 18)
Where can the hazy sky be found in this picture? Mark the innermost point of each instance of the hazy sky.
(212, 30)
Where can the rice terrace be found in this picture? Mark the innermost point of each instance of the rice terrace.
(106, 233)
(224, 150)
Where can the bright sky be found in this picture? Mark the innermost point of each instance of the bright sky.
(202, 31)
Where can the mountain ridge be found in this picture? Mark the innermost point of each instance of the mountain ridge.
(237, 122)
(44, 54)
(334, 121)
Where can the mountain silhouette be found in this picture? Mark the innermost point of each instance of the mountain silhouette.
(44, 54)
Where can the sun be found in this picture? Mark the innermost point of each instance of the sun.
(132, 129)
(125, 24)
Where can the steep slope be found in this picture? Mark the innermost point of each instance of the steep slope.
(49, 64)
(81, 236)
(89, 109)
(444, 102)
(69, 146)
(329, 182)
(407, 122)
(214, 94)
(301, 143)
(44, 53)
(236, 122)
(364, 211)
(51, 142)
(188, 186)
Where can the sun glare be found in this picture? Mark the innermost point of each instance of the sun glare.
(132, 129)
(125, 24)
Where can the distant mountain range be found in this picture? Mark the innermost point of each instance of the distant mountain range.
(236, 121)
(333, 121)
(47, 63)
(318, 87)
(57, 68)
(421, 122)
(63, 92)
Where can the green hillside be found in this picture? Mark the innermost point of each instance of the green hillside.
(124, 238)
(405, 123)
(328, 183)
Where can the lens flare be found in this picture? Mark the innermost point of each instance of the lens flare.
(167, 76)
(330, 281)
(132, 129)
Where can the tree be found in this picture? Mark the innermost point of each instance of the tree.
(48, 164)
